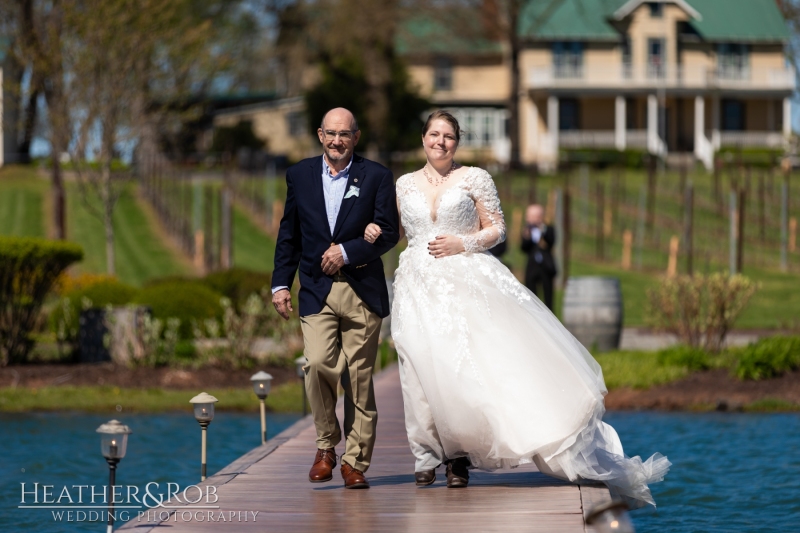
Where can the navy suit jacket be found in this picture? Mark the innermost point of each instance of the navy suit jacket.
(305, 233)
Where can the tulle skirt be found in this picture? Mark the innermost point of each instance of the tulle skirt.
(490, 373)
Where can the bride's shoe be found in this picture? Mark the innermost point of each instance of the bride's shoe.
(457, 473)
(425, 478)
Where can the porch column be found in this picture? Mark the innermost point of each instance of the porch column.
(2, 122)
(787, 117)
(619, 123)
(652, 124)
(716, 141)
(552, 125)
(702, 149)
(533, 141)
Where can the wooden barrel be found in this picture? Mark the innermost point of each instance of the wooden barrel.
(592, 311)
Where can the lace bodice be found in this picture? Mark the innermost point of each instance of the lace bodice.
(470, 209)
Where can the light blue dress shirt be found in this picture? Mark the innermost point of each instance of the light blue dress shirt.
(333, 188)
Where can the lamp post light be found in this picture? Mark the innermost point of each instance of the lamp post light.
(113, 444)
(261, 385)
(610, 517)
(204, 413)
(300, 364)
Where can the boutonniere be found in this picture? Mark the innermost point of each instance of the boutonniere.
(352, 192)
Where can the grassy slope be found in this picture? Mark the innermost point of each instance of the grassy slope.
(140, 255)
(252, 248)
(21, 200)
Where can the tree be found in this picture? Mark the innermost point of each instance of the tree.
(344, 84)
(359, 66)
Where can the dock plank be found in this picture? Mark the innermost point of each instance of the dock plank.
(271, 481)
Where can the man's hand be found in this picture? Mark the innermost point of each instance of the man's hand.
(282, 300)
(445, 245)
(372, 232)
(332, 260)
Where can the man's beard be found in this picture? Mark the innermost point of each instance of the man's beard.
(336, 156)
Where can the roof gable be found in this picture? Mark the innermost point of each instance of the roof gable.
(630, 6)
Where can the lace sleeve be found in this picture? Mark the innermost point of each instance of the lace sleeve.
(493, 226)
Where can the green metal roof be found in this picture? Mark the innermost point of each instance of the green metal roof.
(740, 20)
(434, 35)
(568, 19)
(588, 20)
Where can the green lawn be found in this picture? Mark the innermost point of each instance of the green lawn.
(140, 254)
(286, 398)
(21, 203)
(252, 248)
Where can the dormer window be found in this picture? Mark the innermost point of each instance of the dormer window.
(733, 61)
(656, 9)
(568, 60)
(443, 75)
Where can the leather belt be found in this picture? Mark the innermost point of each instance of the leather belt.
(338, 276)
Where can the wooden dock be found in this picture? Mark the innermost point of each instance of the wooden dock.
(271, 480)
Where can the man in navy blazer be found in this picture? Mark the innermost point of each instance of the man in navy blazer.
(330, 200)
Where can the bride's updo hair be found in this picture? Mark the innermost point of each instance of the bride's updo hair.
(447, 117)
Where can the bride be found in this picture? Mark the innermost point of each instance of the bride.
(491, 379)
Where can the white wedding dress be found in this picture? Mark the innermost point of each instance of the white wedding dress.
(487, 370)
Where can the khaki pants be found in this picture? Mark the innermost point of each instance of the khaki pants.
(341, 343)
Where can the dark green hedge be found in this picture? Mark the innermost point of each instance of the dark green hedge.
(28, 269)
(186, 300)
(238, 283)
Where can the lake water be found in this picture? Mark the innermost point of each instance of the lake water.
(63, 449)
(731, 472)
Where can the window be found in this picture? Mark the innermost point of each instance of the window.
(443, 75)
(482, 126)
(296, 123)
(732, 115)
(656, 58)
(568, 114)
(627, 58)
(733, 61)
(656, 10)
(568, 60)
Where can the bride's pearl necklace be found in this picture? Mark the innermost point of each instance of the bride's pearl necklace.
(439, 179)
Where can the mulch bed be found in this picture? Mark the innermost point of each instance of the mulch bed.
(703, 390)
(43, 375)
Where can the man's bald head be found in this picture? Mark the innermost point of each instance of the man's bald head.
(337, 116)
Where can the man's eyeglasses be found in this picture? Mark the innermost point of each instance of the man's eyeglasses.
(345, 135)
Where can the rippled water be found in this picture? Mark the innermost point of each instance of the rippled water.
(731, 472)
(63, 449)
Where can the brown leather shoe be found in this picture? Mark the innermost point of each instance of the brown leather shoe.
(425, 478)
(457, 473)
(322, 470)
(353, 479)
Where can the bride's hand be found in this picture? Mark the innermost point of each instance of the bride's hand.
(372, 232)
(444, 245)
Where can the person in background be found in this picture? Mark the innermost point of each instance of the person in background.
(538, 240)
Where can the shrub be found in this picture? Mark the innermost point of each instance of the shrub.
(693, 359)
(28, 269)
(238, 284)
(699, 309)
(770, 357)
(98, 291)
(67, 283)
(238, 329)
(184, 300)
